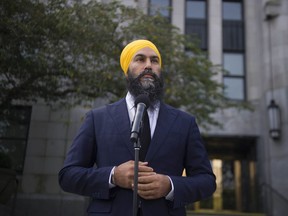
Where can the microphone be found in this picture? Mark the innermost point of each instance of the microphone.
(142, 102)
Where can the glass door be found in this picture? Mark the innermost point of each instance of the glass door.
(236, 188)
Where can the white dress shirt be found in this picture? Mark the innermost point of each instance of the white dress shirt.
(152, 113)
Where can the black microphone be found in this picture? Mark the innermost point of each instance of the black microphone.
(142, 102)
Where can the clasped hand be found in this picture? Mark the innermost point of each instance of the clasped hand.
(150, 184)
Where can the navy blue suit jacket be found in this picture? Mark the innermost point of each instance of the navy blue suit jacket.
(103, 142)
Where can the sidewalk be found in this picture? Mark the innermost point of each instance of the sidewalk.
(5, 210)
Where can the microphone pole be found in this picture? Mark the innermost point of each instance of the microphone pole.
(135, 189)
(142, 102)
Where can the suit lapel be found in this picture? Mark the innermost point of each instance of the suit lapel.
(165, 120)
(119, 114)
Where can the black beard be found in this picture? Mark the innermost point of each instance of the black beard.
(153, 88)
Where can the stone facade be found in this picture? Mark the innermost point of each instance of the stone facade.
(51, 131)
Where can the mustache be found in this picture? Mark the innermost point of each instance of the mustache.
(147, 72)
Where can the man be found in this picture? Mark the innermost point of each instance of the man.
(100, 162)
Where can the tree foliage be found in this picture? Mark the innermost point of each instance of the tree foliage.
(68, 52)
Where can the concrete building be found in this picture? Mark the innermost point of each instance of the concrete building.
(247, 37)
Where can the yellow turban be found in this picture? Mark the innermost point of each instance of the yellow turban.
(129, 51)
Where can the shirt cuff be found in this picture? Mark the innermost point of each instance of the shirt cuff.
(170, 195)
(111, 185)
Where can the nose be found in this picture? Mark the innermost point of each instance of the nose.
(148, 64)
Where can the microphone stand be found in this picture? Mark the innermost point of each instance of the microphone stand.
(142, 102)
(137, 147)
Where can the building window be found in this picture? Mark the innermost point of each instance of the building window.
(232, 11)
(196, 21)
(160, 6)
(234, 81)
(13, 138)
(233, 49)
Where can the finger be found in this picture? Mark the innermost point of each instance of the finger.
(149, 178)
(145, 169)
(147, 194)
(146, 174)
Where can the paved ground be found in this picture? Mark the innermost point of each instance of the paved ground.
(5, 210)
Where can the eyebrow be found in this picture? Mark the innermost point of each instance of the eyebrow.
(142, 55)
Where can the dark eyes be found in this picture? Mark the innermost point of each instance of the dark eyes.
(142, 59)
(154, 60)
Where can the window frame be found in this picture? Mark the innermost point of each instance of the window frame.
(203, 23)
(235, 47)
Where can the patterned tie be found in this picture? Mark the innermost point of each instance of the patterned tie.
(145, 136)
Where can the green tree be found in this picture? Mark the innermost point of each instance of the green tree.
(69, 53)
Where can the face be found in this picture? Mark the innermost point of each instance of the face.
(145, 59)
(144, 75)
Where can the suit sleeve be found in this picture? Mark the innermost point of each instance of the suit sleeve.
(199, 182)
(79, 174)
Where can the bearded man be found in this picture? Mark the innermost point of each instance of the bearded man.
(100, 162)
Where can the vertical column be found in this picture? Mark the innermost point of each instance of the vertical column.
(215, 34)
(178, 14)
(143, 5)
(255, 72)
(217, 196)
(238, 185)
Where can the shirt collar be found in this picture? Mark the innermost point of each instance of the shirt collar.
(130, 100)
